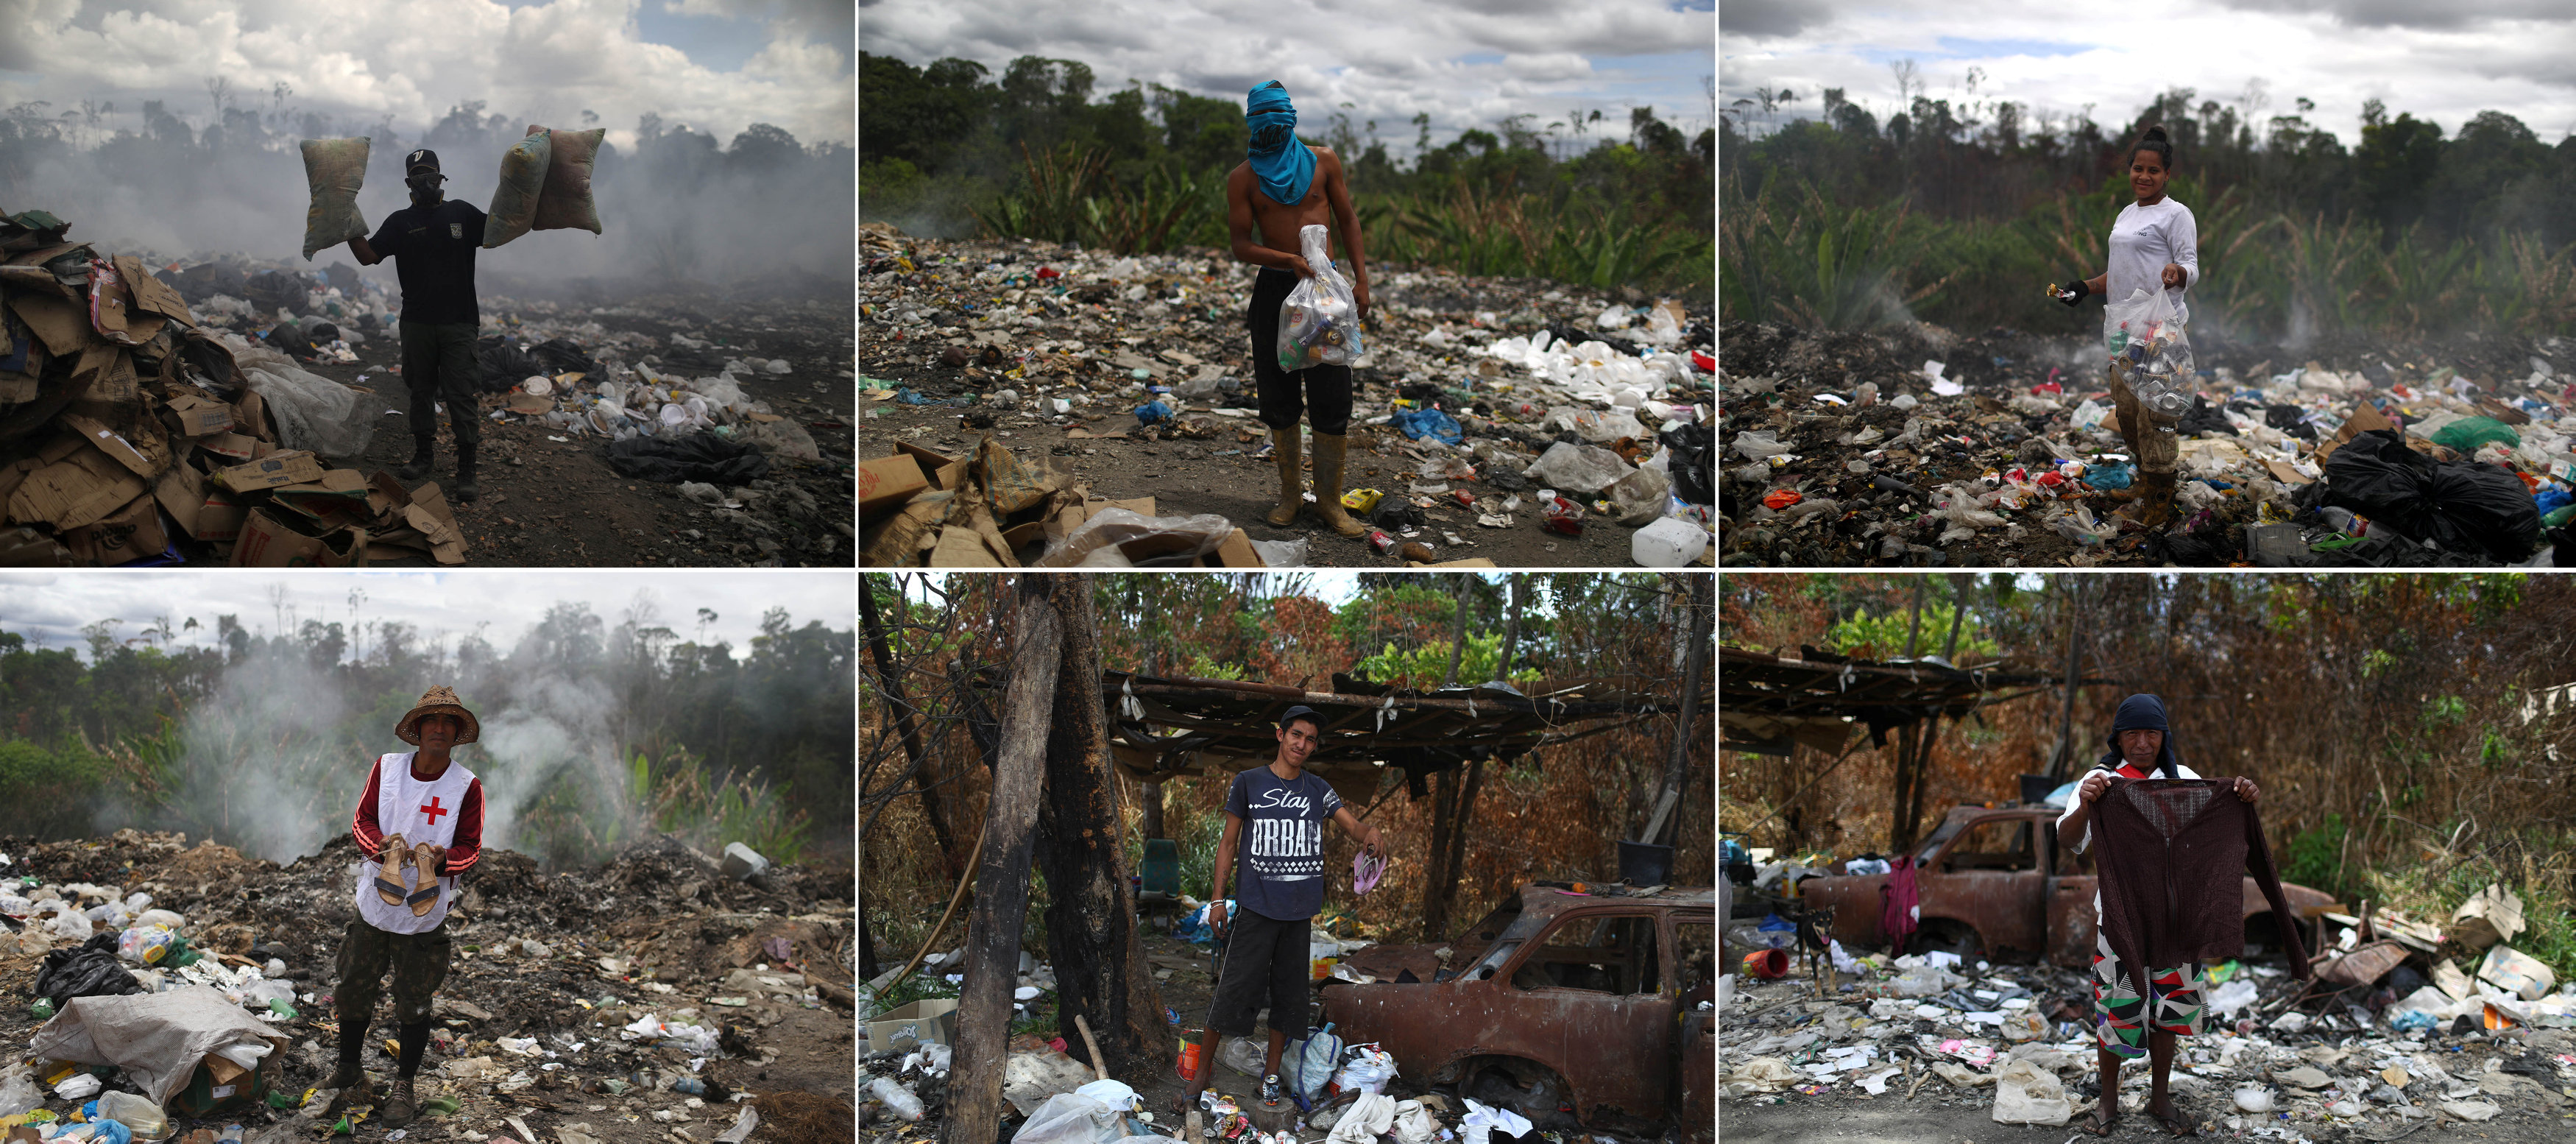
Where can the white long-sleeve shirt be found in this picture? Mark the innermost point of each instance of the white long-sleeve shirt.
(2143, 240)
(2084, 841)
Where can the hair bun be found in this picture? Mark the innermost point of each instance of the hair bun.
(2155, 131)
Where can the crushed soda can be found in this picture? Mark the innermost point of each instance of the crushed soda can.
(1382, 542)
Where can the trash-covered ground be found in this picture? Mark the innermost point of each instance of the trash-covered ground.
(1926, 446)
(760, 378)
(1039, 1071)
(1977, 1050)
(651, 998)
(621, 424)
(1132, 378)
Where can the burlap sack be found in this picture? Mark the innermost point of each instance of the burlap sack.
(335, 169)
(514, 203)
(565, 202)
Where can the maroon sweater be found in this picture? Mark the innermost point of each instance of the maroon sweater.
(2173, 854)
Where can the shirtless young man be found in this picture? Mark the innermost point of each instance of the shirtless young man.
(1283, 186)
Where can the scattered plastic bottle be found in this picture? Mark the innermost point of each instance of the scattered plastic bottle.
(43, 1009)
(232, 1134)
(897, 1098)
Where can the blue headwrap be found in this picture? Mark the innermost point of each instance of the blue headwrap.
(1285, 166)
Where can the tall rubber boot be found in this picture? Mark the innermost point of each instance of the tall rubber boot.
(420, 458)
(1328, 484)
(1292, 488)
(2155, 504)
(466, 489)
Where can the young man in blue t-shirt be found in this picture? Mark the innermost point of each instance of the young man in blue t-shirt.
(1282, 886)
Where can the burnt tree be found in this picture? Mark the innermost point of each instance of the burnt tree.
(1100, 968)
(1002, 893)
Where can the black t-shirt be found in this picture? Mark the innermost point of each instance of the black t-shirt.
(1281, 862)
(433, 252)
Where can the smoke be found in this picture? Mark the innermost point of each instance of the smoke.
(678, 207)
(557, 728)
(266, 765)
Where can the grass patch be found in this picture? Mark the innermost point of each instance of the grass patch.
(2537, 866)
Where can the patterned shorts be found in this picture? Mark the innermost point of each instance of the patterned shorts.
(2123, 1013)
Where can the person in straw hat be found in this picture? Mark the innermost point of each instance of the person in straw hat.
(420, 825)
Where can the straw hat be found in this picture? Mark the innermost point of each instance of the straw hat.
(439, 701)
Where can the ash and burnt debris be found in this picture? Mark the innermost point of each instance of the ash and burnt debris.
(553, 973)
(1468, 382)
(1923, 446)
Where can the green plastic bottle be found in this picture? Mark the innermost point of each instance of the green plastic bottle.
(43, 1009)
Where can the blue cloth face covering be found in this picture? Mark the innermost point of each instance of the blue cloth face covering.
(1285, 166)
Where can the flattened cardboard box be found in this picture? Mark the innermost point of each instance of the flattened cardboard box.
(57, 322)
(129, 534)
(277, 470)
(114, 444)
(234, 447)
(885, 483)
(182, 492)
(220, 517)
(199, 415)
(151, 295)
(83, 487)
(268, 541)
(28, 548)
(338, 498)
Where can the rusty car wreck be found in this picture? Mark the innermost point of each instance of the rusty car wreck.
(1995, 881)
(1592, 998)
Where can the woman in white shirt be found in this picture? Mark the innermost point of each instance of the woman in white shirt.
(2153, 243)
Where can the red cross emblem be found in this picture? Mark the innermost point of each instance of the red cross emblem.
(433, 810)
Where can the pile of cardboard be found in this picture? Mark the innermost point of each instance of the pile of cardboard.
(125, 429)
(920, 508)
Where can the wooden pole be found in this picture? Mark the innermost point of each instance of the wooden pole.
(1677, 753)
(1100, 966)
(1010, 827)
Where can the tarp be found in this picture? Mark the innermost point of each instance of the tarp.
(159, 1038)
(696, 457)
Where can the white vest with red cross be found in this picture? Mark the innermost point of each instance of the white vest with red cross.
(420, 812)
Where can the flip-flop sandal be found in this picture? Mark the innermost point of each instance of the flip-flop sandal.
(2178, 1123)
(1365, 871)
(425, 898)
(2094, 1125)
(389, 865)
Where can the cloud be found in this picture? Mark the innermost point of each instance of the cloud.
(1465, 64)
(2450, 14)
(1774, 18)
(412, 62)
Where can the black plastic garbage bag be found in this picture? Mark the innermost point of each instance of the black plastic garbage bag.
(273, 290)
(503, 364)
(91, 970)
(1694, 474)
(2290, 419)
(696, 457)
(2461, 506)
(2204, 419)
(562, 356)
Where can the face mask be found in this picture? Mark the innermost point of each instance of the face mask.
(424, 190)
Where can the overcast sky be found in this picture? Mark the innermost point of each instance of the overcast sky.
(1469, 63)
(53, 607)
(2442, 61)
(716, 65)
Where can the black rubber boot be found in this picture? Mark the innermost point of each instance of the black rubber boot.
(466, 489)
(420, 459)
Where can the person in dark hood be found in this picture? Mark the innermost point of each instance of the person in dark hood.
(2164, 1002)
(432, 243)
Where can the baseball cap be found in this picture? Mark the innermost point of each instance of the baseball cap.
(1300, 711)
(419, 159)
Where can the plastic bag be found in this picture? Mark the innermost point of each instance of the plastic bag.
(1319, 320)
(1582, 469)
(1281, 553)
(1421, 423)
(1368, 1072)
(2145, 337)
(1138, 539)
(2026, 1095)
(1067, 1118)
(313, 413)
(144, 945)
(514, 202)
(334, 169)
(18, 1091)
(1307, 1065)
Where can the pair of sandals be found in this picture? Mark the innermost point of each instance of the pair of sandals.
(390, 885)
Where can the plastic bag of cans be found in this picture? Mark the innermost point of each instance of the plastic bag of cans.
(2150, 350)
(1319, 323)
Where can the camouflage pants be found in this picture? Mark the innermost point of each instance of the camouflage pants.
(2149, 434)
(418, 961)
